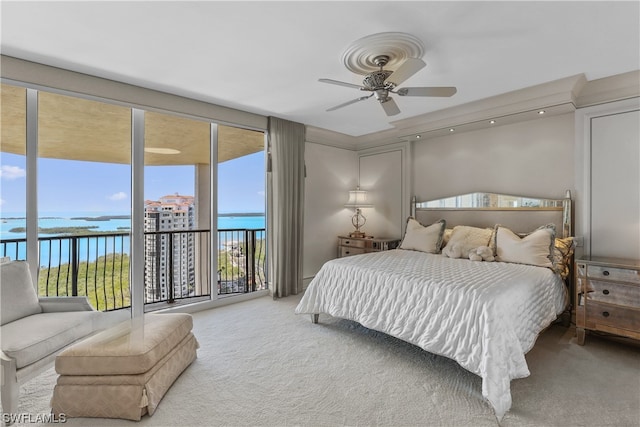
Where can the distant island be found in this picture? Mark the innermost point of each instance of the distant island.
(101, 218)
(63, 230)
(242, 214)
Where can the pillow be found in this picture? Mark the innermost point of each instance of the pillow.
(446, 236)
(428, 239)
(562, 251)
(19, 297)
(535, 248)
(465, 238)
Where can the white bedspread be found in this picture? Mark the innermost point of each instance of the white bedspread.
(484, 315)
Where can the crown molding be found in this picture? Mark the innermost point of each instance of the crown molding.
(609, 89)
(511, 104)
(330, 138)
(555, 97)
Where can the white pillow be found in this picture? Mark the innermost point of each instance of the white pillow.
(19, 298)
(465, 238)
(535, 248)
(428, 239)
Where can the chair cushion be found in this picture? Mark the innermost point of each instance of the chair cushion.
(19, 298)
(128, 348)
(34, 337)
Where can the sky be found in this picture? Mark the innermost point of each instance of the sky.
(75, 186)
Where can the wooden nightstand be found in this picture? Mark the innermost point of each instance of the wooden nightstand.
(360, 245)
(608, 296)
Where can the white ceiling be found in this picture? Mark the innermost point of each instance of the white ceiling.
(266, 57)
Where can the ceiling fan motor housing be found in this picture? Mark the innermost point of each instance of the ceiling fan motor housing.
(376, 80)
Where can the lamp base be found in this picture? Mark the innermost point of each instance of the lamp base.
(356, 234)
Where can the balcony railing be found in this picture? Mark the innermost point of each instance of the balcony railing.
(177, 265)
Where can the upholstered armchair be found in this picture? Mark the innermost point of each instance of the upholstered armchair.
(34, 330)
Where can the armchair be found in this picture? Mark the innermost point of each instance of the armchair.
(34, 330)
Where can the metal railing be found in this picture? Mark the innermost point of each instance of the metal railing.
(177, 265)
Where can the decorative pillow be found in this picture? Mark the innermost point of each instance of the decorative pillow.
(562, 251)
(464, 239)
(19, 297)
(535, 248)
(428, 239)
(446, 236)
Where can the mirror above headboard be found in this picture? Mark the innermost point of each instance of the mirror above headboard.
(520, 213)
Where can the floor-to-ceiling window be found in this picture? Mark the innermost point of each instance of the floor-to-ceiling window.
(85, 174)
(241, 211)
(13, 172)
(177, 214)
(83, 199)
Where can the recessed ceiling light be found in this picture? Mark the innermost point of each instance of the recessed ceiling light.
(492, 121)
(451, 130)
(161, 150)
(541, 112)
(418, 136)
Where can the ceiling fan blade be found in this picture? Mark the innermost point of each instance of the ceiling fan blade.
(390, 107)
(339, 83)
(406, 70)
(353, 101)
(443, 91)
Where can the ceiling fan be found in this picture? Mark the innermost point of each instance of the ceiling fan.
(383, 82)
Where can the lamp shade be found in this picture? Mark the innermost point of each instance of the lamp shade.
(358, 199)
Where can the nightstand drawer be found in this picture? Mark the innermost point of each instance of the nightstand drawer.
(607, 296)
(620, 274)
(354, 243)
(362, 245)
(614, 293)
(611, 315)
(347, 251)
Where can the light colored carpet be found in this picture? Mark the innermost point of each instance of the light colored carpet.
(259, 364)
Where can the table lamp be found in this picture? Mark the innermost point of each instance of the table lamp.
(357, 200)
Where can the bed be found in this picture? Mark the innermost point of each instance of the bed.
(484, 315)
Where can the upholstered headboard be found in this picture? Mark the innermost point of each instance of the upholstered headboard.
(519, 213)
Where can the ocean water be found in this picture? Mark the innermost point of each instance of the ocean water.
(58, 250)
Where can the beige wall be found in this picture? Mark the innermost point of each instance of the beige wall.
(607, 165)
(331, 173)
(532, 158)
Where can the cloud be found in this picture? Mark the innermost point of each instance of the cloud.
(118, 196)
(1, 202)
(12, 172)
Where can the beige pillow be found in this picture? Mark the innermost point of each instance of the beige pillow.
(535, 248)
(428, 239)
(465, 238)
(19, 298)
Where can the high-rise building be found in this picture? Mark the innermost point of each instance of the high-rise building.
(169, 250)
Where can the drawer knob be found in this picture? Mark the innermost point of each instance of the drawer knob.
(605, 273)
(606, 291)
(605, 313)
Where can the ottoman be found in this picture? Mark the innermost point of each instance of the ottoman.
(125, 371)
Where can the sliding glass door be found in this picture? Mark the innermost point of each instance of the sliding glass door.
(83, 199)
(177, 212)
(13, 172)
(241, 211)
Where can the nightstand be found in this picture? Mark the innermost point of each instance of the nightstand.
(608, 296)
(361, 245)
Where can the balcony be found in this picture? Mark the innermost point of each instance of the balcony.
(97, 266)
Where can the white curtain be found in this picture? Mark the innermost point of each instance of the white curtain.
(285, 206)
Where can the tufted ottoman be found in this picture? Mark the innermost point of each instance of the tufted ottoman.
(125, 371)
